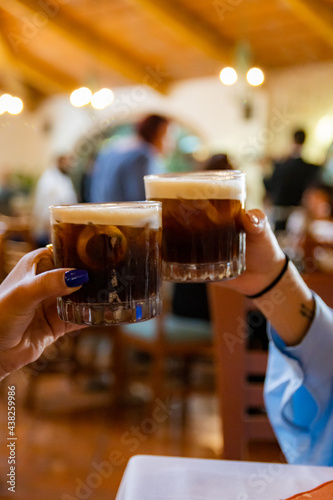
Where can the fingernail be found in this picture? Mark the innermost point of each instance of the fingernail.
(76, 277)
(253, 218)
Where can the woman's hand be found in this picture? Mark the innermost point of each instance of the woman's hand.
(29, 321)
(264, 262)
(264, 257)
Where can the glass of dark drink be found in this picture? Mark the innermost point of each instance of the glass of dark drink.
(203, 237)
(119, 244)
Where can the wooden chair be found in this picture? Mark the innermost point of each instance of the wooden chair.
(239, 374)
(241, 371)
(322, 284)
(168, 337)
(15, 242)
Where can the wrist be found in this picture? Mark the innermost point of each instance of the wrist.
(273, 281)
(289, 306)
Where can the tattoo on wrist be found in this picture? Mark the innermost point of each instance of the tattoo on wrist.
(307, 312)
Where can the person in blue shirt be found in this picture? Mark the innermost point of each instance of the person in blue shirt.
(299, 381)
(121, 165)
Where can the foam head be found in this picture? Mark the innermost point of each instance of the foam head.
(224, 185)
(115, 214)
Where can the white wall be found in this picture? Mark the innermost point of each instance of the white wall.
(30, 140)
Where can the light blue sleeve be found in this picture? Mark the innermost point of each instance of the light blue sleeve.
(299, 392)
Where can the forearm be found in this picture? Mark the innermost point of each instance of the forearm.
(288, 306)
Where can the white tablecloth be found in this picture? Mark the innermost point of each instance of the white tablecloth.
(169, 478)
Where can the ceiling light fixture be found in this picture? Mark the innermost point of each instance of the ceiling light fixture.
(10, 104)
(102, 98)
(80, 97)
(228, 76)
(255, 76)
(99, 100)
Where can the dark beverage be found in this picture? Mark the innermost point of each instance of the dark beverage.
(119, 244)
(203, 237)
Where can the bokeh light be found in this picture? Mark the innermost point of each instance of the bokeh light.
(80, 97)
(228, 76)
(15, 106)
(255, 76)
(102, 98)
(10, 104)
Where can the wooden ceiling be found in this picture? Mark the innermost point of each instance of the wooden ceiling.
(52, 46)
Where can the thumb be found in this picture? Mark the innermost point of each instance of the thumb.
(55, 283)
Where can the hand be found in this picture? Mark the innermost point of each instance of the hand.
(264, 257)
(264, 262)
(28, 312)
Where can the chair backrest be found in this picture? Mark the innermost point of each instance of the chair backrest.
(322, 284)
(240, 373)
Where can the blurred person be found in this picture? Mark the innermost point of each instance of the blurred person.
(54, 187)
(28, 308)
(121, 165)
(316, 204)
(302, 223)
(218, 161)
(8, 191)
(289, 179)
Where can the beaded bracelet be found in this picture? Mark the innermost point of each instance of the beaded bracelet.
(274, 282)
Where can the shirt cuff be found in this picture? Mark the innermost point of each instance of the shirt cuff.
(314, 353)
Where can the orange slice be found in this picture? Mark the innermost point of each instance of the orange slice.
(101, 245)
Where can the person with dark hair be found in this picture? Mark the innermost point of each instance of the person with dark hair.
(218, 161)
(150, 128)
(299, 137)
(120, 166)
(54, 187)
(290, 177)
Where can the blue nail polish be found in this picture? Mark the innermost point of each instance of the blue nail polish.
(76, 277)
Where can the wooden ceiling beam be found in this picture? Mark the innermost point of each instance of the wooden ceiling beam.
(25, 68)
(43, 77)
(11, 79)
(191, 28)
(83, 37)
(315, 16)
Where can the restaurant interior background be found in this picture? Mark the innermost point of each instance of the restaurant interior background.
(160, 56)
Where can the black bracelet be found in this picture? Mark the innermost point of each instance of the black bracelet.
(269, 287)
